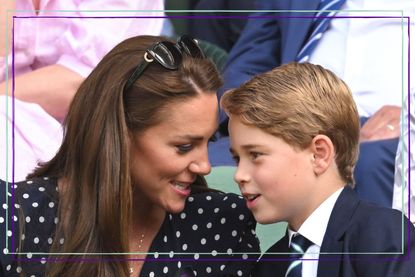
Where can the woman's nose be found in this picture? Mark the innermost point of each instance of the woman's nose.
(201, 165)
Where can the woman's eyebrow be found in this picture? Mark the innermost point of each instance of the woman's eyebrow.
(190, 137)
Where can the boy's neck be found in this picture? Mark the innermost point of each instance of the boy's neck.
(325, 187)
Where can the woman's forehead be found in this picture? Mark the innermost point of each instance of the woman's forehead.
(193, 116)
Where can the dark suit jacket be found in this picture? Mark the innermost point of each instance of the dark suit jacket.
(356, 226)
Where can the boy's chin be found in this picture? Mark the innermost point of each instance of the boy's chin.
(265, 222)
(262, 219)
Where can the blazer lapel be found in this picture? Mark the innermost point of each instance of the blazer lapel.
(295, 30)
(331, 256)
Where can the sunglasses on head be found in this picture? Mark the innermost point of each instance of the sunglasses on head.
(167, 54)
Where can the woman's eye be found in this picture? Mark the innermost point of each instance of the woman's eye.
(236, 159)
(213, 138)
(184, 148)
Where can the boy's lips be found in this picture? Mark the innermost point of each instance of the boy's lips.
(251, 199)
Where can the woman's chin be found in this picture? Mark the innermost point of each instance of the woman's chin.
(176, 207)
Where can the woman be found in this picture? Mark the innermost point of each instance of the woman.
(127, 179)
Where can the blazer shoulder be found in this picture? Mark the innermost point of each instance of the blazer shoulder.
(377, 229)
(369, 214)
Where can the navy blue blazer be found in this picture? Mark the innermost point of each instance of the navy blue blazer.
(268, 40)
(356, 226)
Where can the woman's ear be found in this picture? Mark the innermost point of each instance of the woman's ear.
(323, 152)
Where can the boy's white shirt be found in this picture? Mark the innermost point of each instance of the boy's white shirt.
(314, 228)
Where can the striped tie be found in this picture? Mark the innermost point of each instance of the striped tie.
(298, 247)
(319, 25)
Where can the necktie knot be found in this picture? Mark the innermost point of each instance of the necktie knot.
(299, 244)
(298, 247)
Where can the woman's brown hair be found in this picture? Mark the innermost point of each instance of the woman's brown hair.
(96, 201)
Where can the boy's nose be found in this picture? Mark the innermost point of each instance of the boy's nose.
(241, 176)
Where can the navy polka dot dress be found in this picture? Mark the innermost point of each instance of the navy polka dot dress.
(213, 236)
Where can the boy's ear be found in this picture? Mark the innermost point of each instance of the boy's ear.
(322, 149)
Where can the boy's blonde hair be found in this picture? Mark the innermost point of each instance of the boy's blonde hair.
(296, 102)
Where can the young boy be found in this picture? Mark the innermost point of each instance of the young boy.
(294, 132)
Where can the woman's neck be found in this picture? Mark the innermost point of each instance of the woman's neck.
(144, 211)
(144, 228)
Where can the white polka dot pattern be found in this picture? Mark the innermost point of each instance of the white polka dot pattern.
(32, 204)
(212, 226)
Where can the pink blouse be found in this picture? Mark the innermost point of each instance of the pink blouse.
(76, 43)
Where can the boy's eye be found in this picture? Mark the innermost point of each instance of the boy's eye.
(255, 155)
(184, 148)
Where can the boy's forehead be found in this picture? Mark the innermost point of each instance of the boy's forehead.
(246, 136)
(236, 122)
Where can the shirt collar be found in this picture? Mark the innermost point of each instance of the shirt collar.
(314, 227)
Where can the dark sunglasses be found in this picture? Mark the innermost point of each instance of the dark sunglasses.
(167, 54)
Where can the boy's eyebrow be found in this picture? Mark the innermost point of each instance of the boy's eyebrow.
(245, 147)
(250, 146)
